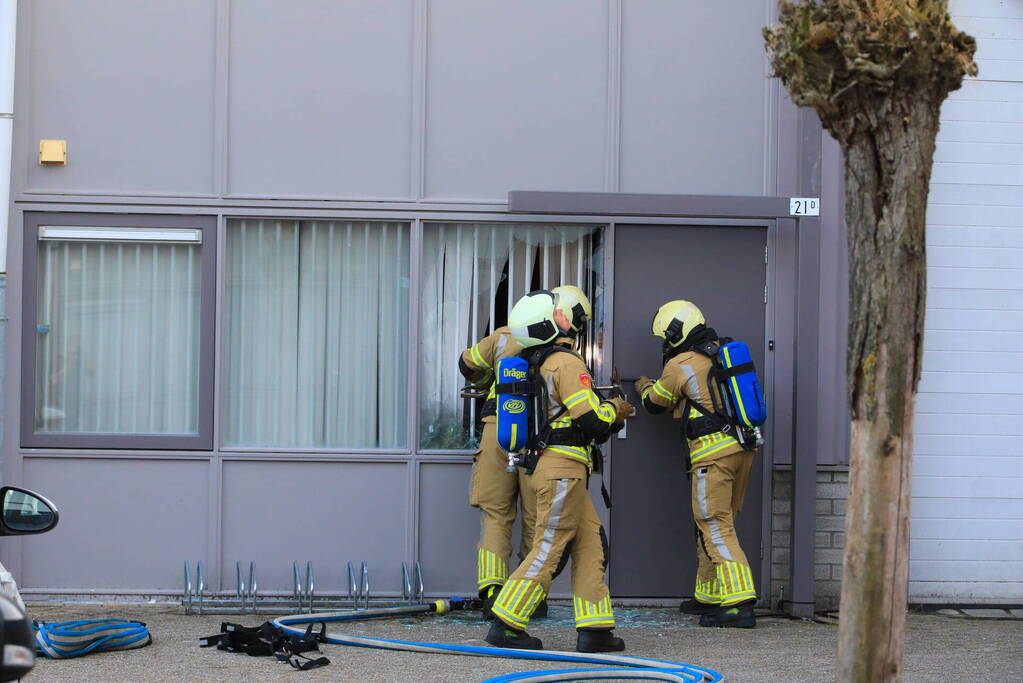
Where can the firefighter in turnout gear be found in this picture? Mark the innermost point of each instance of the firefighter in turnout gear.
(574, 418)
(575, 306)
(493, 489)
(719, 467)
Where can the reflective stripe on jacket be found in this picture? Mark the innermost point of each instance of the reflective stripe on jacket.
(683, 382)
(570, 397)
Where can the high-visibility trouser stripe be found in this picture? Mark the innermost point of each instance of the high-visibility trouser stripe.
(593, 614)
(703, 505)
(736, 582)
(712, 447)
(517, 601)
(662, 392)
(708, 591)
(490, 569)
(478, 359)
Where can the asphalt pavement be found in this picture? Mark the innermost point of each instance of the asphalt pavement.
(938, 647)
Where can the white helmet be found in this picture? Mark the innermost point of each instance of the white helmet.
(574, 304)
(531, 319)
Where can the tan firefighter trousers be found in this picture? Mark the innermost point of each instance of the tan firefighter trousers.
(564, 514)
(495, 491)
(718, 488)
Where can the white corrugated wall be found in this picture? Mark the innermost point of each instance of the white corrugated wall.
(967, 529)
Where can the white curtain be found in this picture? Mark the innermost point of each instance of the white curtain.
(316, 334)
(117, 338)
(472, 275)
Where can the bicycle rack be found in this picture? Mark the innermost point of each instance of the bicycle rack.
(246, 598)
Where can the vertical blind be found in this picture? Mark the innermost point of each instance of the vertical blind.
(472, 275)
(316, 334)
(117, 338)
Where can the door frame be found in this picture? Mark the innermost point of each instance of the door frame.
(792, 368)
(766, 456)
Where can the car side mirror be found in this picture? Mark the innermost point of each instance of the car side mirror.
(25, 512)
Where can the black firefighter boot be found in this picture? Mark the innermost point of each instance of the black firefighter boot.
(541, 610)
(694, 606)
(598, 640)
(739, 615)
(502, 635)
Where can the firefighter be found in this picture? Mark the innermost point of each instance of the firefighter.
(493, 489)
(719, 467)
(573, 418)
(576, 307)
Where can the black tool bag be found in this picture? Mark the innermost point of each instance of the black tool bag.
(267, 640)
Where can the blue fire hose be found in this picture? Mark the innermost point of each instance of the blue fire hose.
(625, 667)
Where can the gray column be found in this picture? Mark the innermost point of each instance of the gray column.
(804, 456)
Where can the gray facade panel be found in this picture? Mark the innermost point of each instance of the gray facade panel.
(694, 97)
(328, 512)
(320, 99)
(448, 527)
(516, 96)
(129, 85)
(124, 523)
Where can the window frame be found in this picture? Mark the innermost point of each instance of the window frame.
(203, 440)
(411, 225)
(510, 222)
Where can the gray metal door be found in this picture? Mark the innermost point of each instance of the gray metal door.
(721, 270)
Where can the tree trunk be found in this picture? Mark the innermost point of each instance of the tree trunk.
(877, 71)
(887, 176)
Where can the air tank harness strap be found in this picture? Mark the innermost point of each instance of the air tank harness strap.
(267, 640)
(522, 387)
(567, 436)
(742, 368)
(709, 422)
(489, 408)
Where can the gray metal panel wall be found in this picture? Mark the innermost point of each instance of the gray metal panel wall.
(129, 85)
(514, 100)
(328, 512)
(451, 100)
(125, 523)
(320, 98)
(694, 98)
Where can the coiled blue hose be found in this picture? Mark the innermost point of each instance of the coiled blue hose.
(639, 668)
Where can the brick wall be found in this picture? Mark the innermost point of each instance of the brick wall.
(832, 491)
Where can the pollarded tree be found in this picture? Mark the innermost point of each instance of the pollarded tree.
(877, 72)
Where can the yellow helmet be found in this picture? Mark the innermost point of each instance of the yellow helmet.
(573, 303)
(531, 319)
(675, 320)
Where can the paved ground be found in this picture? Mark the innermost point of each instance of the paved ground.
(938, 648)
